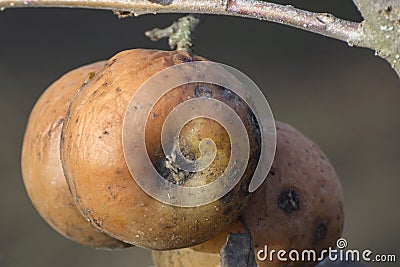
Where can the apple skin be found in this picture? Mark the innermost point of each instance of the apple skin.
(41, 165)
(99, 179)
(299, 206)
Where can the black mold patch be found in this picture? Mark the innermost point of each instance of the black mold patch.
(227, 198)
(228, 94)
(320, 231)
(288, 201)
(203, 91)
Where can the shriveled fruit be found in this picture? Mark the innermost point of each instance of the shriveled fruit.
(41, 165)
(93, 157)
(298, 207)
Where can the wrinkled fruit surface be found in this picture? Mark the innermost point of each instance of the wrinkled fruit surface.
(93, 158)
(41, 166)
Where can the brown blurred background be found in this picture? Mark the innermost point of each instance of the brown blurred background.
(345, 99)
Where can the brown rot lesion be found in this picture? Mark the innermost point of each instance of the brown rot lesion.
(174, 174)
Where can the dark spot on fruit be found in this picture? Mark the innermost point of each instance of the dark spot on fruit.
(106, 133)
(252, 119)
(272, 172)
(184, 58)
(118, 90)
(112, 194)
(227, 210)
(89, 77)
(320, 231)
(288, 201)
(228, 94)
(110, 63)
(226, 199)
(203, 91)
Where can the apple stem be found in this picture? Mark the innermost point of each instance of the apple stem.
(179, 33)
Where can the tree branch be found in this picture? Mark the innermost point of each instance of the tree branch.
(359, 34)
(320, 23)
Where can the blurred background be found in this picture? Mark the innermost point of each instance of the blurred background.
(345, 99)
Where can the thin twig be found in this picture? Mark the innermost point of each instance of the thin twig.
(320, 23)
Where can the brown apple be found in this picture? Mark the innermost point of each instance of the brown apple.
(95, 165)
(298, 207)
(41, 165)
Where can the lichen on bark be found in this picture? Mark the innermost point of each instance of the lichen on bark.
(381, 28)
